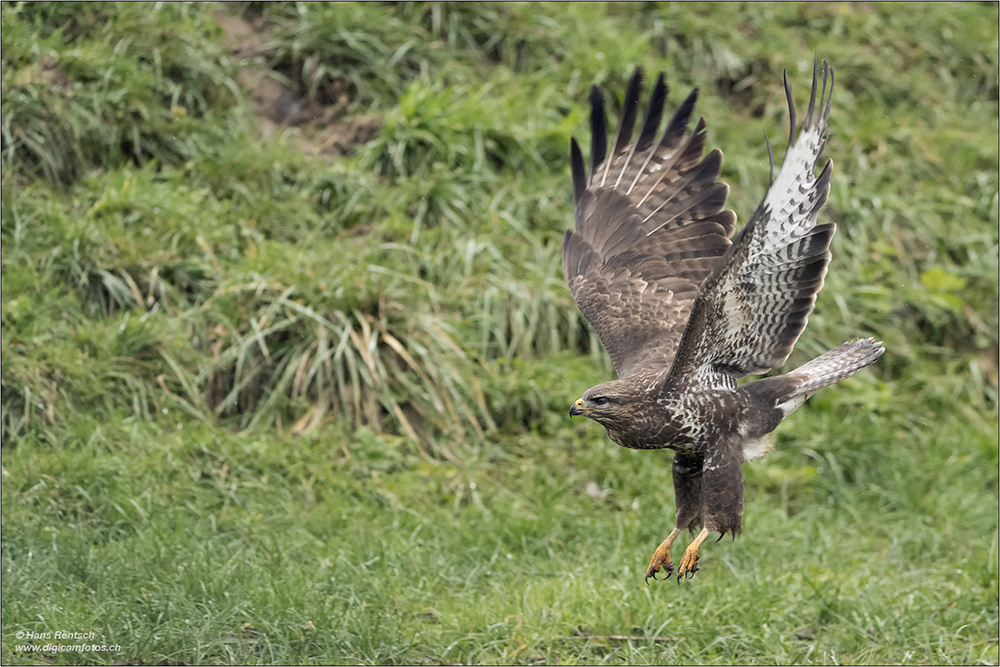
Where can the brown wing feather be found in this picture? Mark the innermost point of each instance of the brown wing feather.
(649, 229)
(753, 308)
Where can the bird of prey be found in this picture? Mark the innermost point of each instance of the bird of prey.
(684, 312)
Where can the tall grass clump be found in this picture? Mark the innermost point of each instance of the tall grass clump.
(348, 54)
(96, 85)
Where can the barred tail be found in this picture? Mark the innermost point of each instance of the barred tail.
(839, 363)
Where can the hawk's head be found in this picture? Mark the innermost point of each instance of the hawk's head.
(610, 404)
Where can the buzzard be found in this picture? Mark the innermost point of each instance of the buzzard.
(684, 312)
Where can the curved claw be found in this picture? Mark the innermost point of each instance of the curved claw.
(667, 574)
(688, 566)
(661, 558)
(666, 567)
(689, 563)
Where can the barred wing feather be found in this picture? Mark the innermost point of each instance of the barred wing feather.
(754, 307)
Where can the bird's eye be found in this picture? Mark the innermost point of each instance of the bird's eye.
(601, 400)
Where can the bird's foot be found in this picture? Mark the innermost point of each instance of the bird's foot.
(660, 561)
(689, 563)
(661, 557)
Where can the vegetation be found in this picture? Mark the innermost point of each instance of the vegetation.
(287, 353)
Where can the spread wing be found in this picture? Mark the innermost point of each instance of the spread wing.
(649, 229)
(755, 305)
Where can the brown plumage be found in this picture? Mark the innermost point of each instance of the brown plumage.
(684, 312)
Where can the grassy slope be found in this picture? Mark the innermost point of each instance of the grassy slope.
(170, 279)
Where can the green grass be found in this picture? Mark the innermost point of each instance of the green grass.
(264, 401)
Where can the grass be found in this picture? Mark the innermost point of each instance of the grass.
(294, 390)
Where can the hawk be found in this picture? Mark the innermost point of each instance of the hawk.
(684, 312)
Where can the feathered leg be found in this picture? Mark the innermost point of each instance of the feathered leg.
(709, 493)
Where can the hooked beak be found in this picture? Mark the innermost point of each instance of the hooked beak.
(576, 408)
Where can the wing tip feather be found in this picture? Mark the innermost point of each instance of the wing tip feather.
(579, 171)
(598, 129)
(654, 113)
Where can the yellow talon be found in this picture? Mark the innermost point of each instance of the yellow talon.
(689, 563)
(661, 557)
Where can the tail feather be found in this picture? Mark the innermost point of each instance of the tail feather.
(781, 395)
(838, 364)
